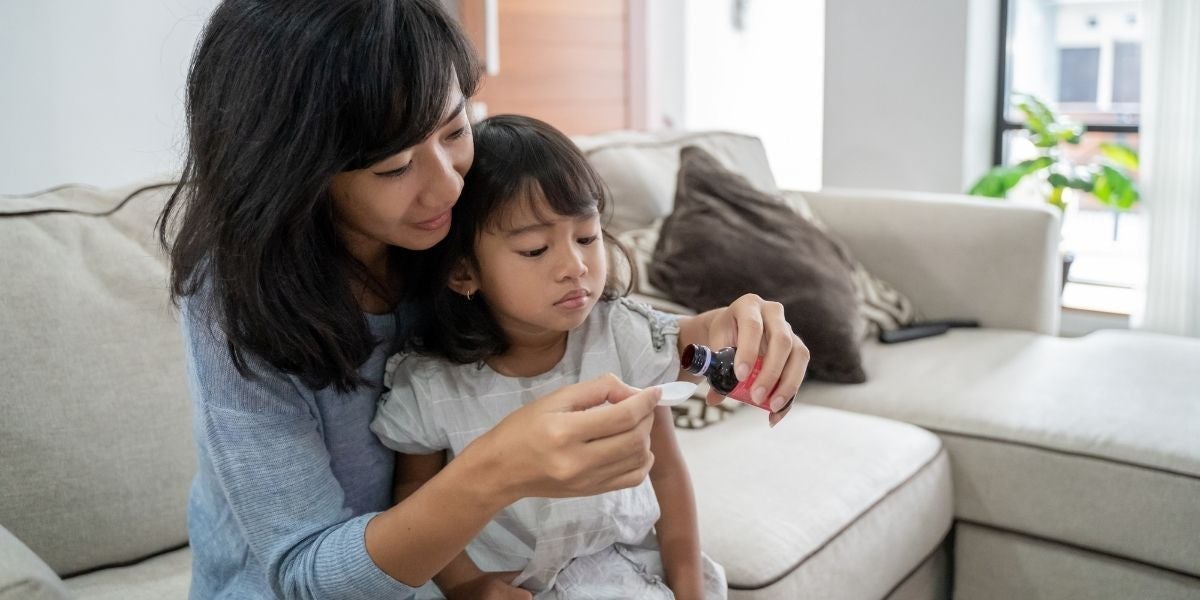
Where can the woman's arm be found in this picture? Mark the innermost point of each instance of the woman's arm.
(677, 529)
(413, 471)
(552, 447)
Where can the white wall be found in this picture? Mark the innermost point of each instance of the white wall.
(909, 93)
(764, 79)
(92, 92)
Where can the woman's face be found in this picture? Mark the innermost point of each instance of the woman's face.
(405, 199)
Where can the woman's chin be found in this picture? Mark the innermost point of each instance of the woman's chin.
(420, 239)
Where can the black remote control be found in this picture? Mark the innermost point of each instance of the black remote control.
(915, 332)
(952, 323)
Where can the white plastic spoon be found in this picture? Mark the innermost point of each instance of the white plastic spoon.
(676, 392)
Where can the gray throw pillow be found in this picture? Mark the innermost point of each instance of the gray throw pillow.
(725, 239)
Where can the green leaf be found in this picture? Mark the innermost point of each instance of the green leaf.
(1120, 154)
(1114, 189)
(993, 184)
(1034, 164)
(1046, 129)
(997, 182)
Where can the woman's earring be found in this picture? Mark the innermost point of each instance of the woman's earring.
(468, 295)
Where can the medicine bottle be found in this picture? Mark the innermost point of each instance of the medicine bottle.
(717, 367)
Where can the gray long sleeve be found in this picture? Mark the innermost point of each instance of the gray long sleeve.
(288, 477)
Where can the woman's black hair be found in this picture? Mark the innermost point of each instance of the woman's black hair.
(283, 95)
(517, 159)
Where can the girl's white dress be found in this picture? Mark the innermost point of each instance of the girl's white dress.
(600, 547)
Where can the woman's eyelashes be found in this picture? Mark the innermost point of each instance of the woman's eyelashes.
(457, 134)
(399, 172)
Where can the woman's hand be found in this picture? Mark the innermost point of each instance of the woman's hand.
(757, 327)
(584, 439)
(489, 586)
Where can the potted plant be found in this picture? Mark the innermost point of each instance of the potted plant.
(1108, 177)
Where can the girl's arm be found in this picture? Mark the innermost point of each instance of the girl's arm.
(677, 528)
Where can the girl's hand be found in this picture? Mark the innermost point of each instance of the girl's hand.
(757, 327)
(584, 439)
(489, 586)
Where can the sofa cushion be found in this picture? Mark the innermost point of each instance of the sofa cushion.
(1092, 442)
(827, 504)
(94, 410)
(160, 577)
(639, 169)
(24, 576)
(726, 239)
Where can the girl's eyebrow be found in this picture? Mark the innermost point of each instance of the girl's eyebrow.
(545, 224)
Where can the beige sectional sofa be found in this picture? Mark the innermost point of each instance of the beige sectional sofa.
(1001, 462)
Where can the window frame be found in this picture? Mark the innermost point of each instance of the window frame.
(1001, 124)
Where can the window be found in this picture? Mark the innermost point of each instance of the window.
(1083, 58)
(1127, 72)
(1078, 74)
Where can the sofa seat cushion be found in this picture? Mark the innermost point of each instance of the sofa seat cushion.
(996, 565)
(163, 576)
(828, 504)
(1093, 441)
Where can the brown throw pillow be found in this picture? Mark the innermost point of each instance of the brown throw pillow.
(725, 239)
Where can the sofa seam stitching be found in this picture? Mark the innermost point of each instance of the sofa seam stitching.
(1034, 446)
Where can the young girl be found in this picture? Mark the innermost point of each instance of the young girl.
(528, 306)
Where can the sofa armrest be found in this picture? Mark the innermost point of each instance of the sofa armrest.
(954, 256)
(24, 576)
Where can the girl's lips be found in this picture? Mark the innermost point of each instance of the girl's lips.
(575, 299)
(435, 223)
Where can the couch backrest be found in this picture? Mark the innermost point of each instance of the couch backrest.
(95, 434)
(640, 168)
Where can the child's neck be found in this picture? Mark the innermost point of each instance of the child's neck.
(530, 354)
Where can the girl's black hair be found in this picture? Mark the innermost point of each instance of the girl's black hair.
(283, 95)
(517, 159)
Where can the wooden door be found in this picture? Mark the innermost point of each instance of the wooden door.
(572, 63)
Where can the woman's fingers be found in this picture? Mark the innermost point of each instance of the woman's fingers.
(792, 375)
(747, 317)
(612, 419)
(775, 417)
(776, 348)
(606, 388)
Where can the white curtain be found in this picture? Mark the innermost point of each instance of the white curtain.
(1171, 165)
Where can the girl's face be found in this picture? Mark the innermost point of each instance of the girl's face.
(405, 200)
(539, 275)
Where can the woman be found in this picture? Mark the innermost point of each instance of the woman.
(328, 142)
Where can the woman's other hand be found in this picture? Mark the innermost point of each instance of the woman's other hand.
(758, 327)
(489, 586)
(584, 439)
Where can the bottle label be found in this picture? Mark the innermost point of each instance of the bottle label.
(741, 392)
